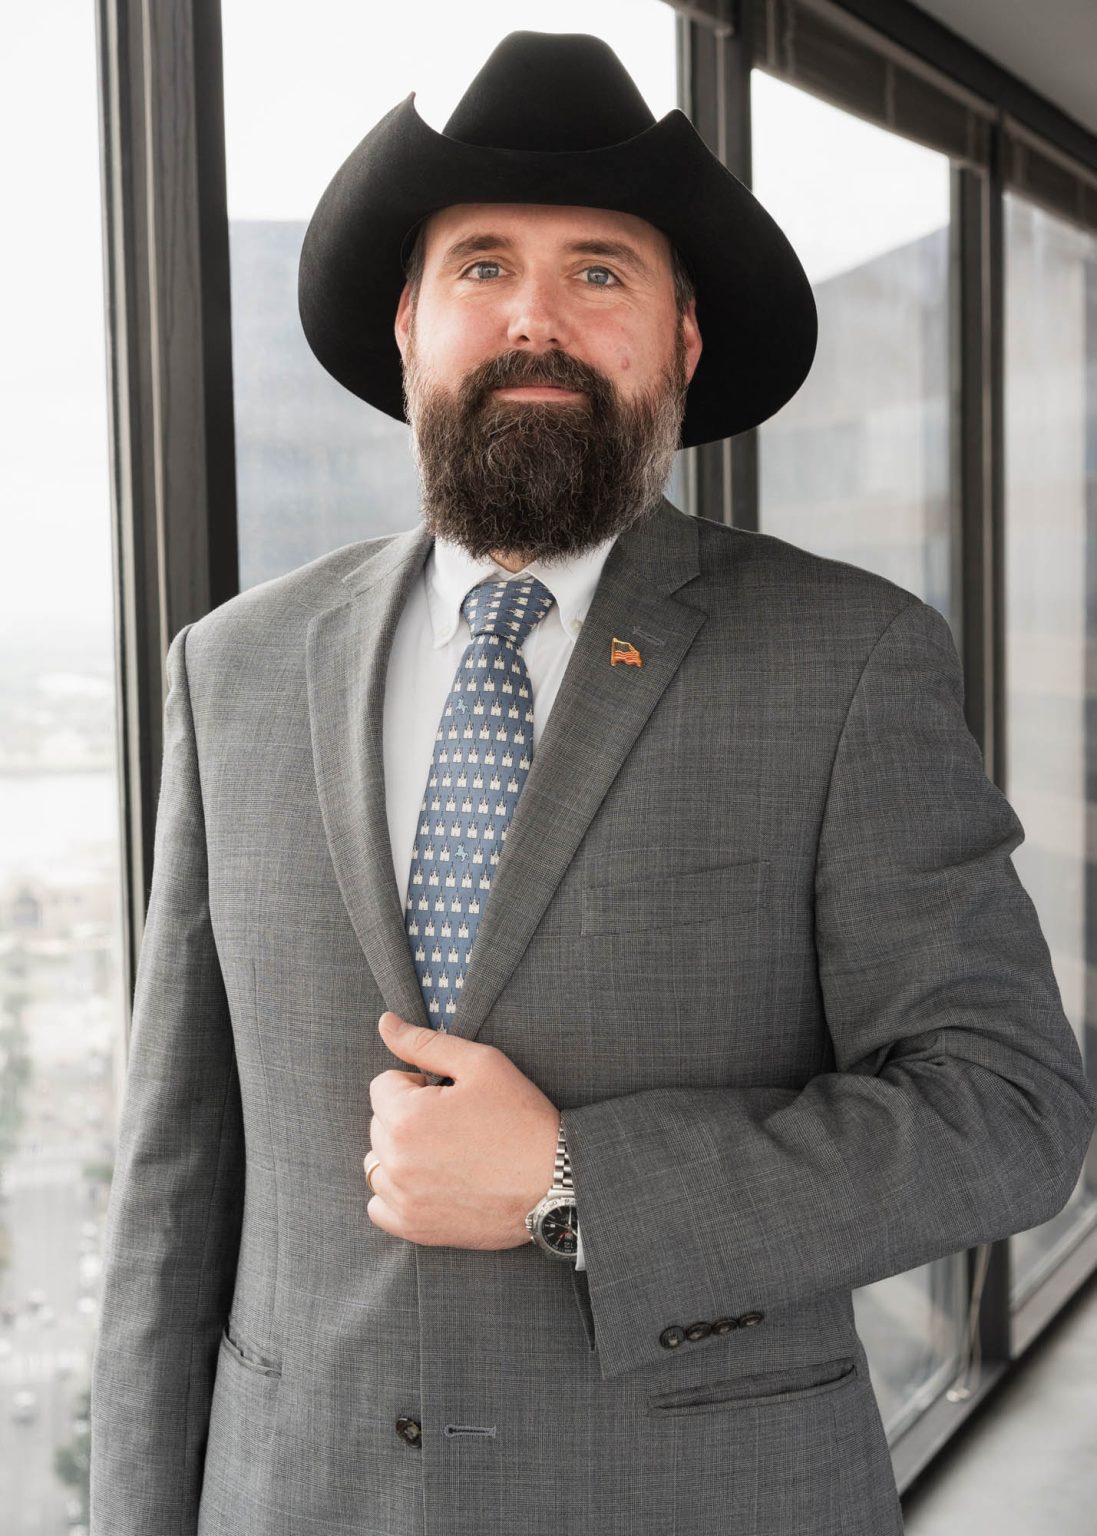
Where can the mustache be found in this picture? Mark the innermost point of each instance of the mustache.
(513, 369)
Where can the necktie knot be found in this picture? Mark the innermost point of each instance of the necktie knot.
(509, 609)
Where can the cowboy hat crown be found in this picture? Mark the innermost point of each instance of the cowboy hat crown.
(510, 140)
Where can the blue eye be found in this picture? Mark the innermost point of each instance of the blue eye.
(606, 277)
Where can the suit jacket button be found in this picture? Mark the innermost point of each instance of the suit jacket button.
(749, 1319)
(697, 1331)
(725, 1324)
(671, 1337)
(411, 1431)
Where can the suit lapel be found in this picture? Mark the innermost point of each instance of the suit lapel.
(597, 715)
(598, 712)
(347, 652)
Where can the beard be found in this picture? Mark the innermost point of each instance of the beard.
(536, 478)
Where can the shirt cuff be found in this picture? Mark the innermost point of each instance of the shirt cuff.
(580, 1262)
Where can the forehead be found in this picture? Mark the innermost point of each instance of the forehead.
(543, 225)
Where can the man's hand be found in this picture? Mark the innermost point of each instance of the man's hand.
(460, 1165)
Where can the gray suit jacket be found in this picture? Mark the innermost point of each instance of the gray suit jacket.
(755, 930)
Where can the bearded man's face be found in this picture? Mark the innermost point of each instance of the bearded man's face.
(546, 472)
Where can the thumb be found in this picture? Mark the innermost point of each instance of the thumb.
(430, 1048)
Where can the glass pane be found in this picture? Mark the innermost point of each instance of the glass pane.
(911, 1326)
(316, 467)
(1051, 621)
(856, 467)
(61, 1000)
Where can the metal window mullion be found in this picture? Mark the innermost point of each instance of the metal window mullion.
(714, 82)
(168, 343)
(138, 650)
(977, 216)
(975, 444)
(918, 39)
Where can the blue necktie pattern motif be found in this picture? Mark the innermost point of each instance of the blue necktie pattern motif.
(483, 749)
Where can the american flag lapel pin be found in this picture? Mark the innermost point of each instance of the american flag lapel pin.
(621, 650)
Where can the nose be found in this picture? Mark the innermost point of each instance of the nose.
(536, 320)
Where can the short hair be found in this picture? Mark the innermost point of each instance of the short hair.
(684, 290)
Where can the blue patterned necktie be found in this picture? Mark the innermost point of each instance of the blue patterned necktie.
(483, 749)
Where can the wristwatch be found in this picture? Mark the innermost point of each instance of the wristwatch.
(553, 1224)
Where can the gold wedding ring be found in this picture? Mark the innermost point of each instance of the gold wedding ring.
(370, 1166)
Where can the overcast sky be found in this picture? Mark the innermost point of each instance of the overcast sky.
(304, 83)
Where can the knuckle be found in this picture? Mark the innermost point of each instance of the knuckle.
(399, 1130)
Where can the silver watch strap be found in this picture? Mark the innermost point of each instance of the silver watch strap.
(562, 1170)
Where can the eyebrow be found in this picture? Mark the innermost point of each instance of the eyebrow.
(616, 250)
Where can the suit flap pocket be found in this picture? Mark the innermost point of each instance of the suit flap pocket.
(664, 899)
(792, 1384)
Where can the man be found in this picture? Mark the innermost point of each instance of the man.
(564, 859)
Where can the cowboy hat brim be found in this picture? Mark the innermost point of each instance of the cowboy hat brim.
(755, 308)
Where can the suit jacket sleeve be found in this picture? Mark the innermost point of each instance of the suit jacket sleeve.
(958, 1110)
(174, 1215)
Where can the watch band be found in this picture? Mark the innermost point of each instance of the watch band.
(561, 1178)
(561, 1193)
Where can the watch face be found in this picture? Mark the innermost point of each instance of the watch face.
(558, 1228)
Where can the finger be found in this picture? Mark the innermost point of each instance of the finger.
(387, 1086)
(379, 1213)
(375, 1176)
(440, 1053)
(405, 1081)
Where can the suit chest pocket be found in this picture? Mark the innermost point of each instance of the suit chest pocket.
(665, 899)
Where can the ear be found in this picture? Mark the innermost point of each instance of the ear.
(692, 334)
(403, 319)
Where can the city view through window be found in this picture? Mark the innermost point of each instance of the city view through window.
(61, 1002)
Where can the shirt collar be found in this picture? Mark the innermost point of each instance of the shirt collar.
(450, 571)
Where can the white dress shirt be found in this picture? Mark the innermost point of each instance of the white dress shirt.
(430, 639)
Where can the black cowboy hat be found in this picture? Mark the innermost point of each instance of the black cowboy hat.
(556, 118)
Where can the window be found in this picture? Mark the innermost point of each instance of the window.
(857, 465)
(61, 991)
(1051, 624)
